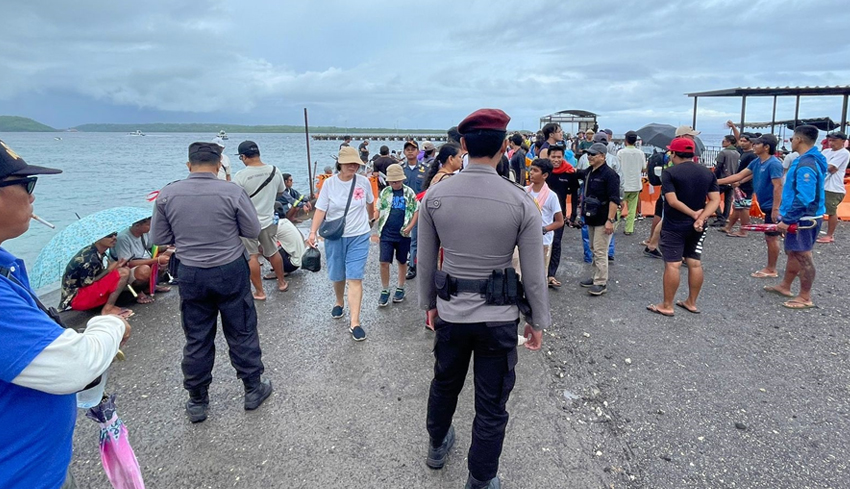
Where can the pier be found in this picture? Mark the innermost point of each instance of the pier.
(382, 137)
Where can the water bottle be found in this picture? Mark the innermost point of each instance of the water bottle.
(276, 219)
(92, 396)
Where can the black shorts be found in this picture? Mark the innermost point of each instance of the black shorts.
(769, 220)
(659, 207)
(680, 241)
(401, 249)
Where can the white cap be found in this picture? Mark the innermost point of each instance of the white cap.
(217, 140)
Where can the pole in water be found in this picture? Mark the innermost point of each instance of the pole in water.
(307, 135)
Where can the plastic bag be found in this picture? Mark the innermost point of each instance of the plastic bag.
(312, 259)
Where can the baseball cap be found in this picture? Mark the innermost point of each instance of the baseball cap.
(682, 145)
(196, 149)
(485, 119)
(686, 131)
(836, 135)
(248, 148)
(600, 137)
(608, 132)
(597, 148)
(428, 146)
(411, 143)
(13, 165)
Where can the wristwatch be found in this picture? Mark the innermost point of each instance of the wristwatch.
(544, 230)
(612, 221)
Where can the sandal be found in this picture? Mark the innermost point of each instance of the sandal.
(270, 276)
(798, 304)
(553, 282)
(654, 308)
(685, 307)
(761, 274)
(773, 290)
(144, 299)
(162, 288)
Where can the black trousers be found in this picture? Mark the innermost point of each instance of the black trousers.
(722, 213)
(494, 346)
(555, 258)
(204, 294)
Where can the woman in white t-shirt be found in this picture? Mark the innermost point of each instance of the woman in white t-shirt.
(346, 257)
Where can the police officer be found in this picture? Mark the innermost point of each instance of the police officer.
(478, 218)
(205, 217)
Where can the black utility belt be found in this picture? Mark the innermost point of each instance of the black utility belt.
(502, 288)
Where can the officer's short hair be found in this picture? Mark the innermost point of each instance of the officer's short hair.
(516, 139)
(544, 164)
(484, 143)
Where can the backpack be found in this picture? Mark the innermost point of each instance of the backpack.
(656, 160)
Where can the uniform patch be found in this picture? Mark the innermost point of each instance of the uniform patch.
(434, 203)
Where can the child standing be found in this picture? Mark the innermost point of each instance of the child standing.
(547, 202)
(397, 213)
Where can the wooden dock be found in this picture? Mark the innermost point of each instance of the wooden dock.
(382, 137)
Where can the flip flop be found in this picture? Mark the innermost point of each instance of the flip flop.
(553, 282)
(285, 287)
(761, 274)
(825, 239)
(144, 299)
(795, 304)
(683, 306)
(270, 276)
(163, 288)
(654, 308)
(774, 290)
(735, 235)
(260, 298)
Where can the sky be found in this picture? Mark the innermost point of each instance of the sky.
(425, 64)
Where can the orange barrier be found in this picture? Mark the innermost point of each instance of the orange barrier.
(374, 181)
(844, 207)
(321, 179)
(755, 210)
(647, 199)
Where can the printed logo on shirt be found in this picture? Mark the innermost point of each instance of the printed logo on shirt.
(398, 202)
(359, 193)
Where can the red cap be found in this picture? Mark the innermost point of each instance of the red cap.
(682, 145)
(489, 119)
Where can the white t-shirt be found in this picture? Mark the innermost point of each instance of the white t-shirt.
(786, 163)
(224, 170)
(548, 210)
(835, 181)
(633, 162)
(333, 197)
(250, 178)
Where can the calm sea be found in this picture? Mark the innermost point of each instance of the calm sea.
(103, 170)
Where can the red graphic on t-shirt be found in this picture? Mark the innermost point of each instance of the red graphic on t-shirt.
(359, 193)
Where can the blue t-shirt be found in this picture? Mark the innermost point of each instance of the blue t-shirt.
(37, 428)
(392, 228)
(763, 174)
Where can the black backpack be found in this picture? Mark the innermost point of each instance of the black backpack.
(656, 160)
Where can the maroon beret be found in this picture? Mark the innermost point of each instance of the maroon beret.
(488, 119)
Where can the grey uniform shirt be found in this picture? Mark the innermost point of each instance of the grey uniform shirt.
(478, 217)
(204, 218)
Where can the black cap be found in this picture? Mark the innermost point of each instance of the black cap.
(837, 135)
(248, 148)
(12, 165)
(197, 149)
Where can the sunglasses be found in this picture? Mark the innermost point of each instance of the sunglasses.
(113, 235)
(28, 183)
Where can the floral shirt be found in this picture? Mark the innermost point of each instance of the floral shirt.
(81, 271)
(385, 202)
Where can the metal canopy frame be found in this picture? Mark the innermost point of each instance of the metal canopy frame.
(583, 119)
(797, 92)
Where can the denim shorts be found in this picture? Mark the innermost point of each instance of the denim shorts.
(346, 257)
(804, 239)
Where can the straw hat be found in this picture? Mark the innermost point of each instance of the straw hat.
(395, 173)
(349, 155)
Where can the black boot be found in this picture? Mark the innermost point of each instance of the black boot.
(198, 404)
(437, 455)
(473, 483)
(411, 272)
(256, 391)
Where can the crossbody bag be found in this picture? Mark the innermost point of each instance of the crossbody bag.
(334, 228)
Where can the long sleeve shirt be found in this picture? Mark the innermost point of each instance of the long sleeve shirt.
(478, 218)
(204, 217)
(803, 193)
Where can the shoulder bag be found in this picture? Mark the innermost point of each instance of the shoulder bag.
(333, 229)
(266, 182)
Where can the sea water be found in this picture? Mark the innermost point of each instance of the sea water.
(103, 170)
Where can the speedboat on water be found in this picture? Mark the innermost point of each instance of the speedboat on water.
(222, 135)
(136, 133)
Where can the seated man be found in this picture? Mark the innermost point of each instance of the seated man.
(292, 200)
(291, 246)
(87, 283)
(134, 246)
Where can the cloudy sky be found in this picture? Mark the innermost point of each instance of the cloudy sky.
(423, 64)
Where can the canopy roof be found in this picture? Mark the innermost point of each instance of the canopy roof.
(777, 91)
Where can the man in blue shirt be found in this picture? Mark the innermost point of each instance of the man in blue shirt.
(803, 204)
(42, 365)
(766, 174)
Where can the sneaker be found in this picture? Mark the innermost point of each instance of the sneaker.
(473, 483)
(255, 395)
(437, 456)
(652, 253)
(587, 283)
(336, 312)
(611, 258)
(384, 300)
(357, 333)
(598, 289)
(411, 272)
(197, 405)
(399, 295)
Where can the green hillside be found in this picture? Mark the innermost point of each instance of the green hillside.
(236, 128)
(13, 123)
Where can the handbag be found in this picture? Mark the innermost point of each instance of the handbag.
(333, 229)
(312, 260)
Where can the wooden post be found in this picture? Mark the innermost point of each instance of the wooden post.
(307, 135)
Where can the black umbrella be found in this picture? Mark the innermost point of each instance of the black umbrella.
(660, 135)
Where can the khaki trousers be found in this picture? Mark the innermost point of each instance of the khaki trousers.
(599, 242)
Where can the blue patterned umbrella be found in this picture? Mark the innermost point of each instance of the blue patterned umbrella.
(54, 257)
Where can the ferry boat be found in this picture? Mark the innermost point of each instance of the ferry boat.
(222, 134)
(136, 133)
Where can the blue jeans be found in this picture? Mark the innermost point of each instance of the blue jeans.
(414, 238)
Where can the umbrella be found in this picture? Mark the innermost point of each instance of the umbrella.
(116, 454)
(54, 257)
(660, 135)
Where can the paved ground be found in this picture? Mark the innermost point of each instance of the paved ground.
(618, 397)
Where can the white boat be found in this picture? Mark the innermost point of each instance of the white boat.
(136, 133)
(222, 135)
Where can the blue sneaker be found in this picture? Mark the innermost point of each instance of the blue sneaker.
(399, 295)
(357, 333)
(384, 300)
(336, 312)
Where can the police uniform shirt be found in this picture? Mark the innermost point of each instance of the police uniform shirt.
(204, 217)
(478, 217)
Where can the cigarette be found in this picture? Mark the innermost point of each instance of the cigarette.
(36, 218)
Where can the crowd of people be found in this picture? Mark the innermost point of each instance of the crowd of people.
(479, 221)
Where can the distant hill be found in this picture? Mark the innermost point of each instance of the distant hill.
(13, 123)
(236, 128)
